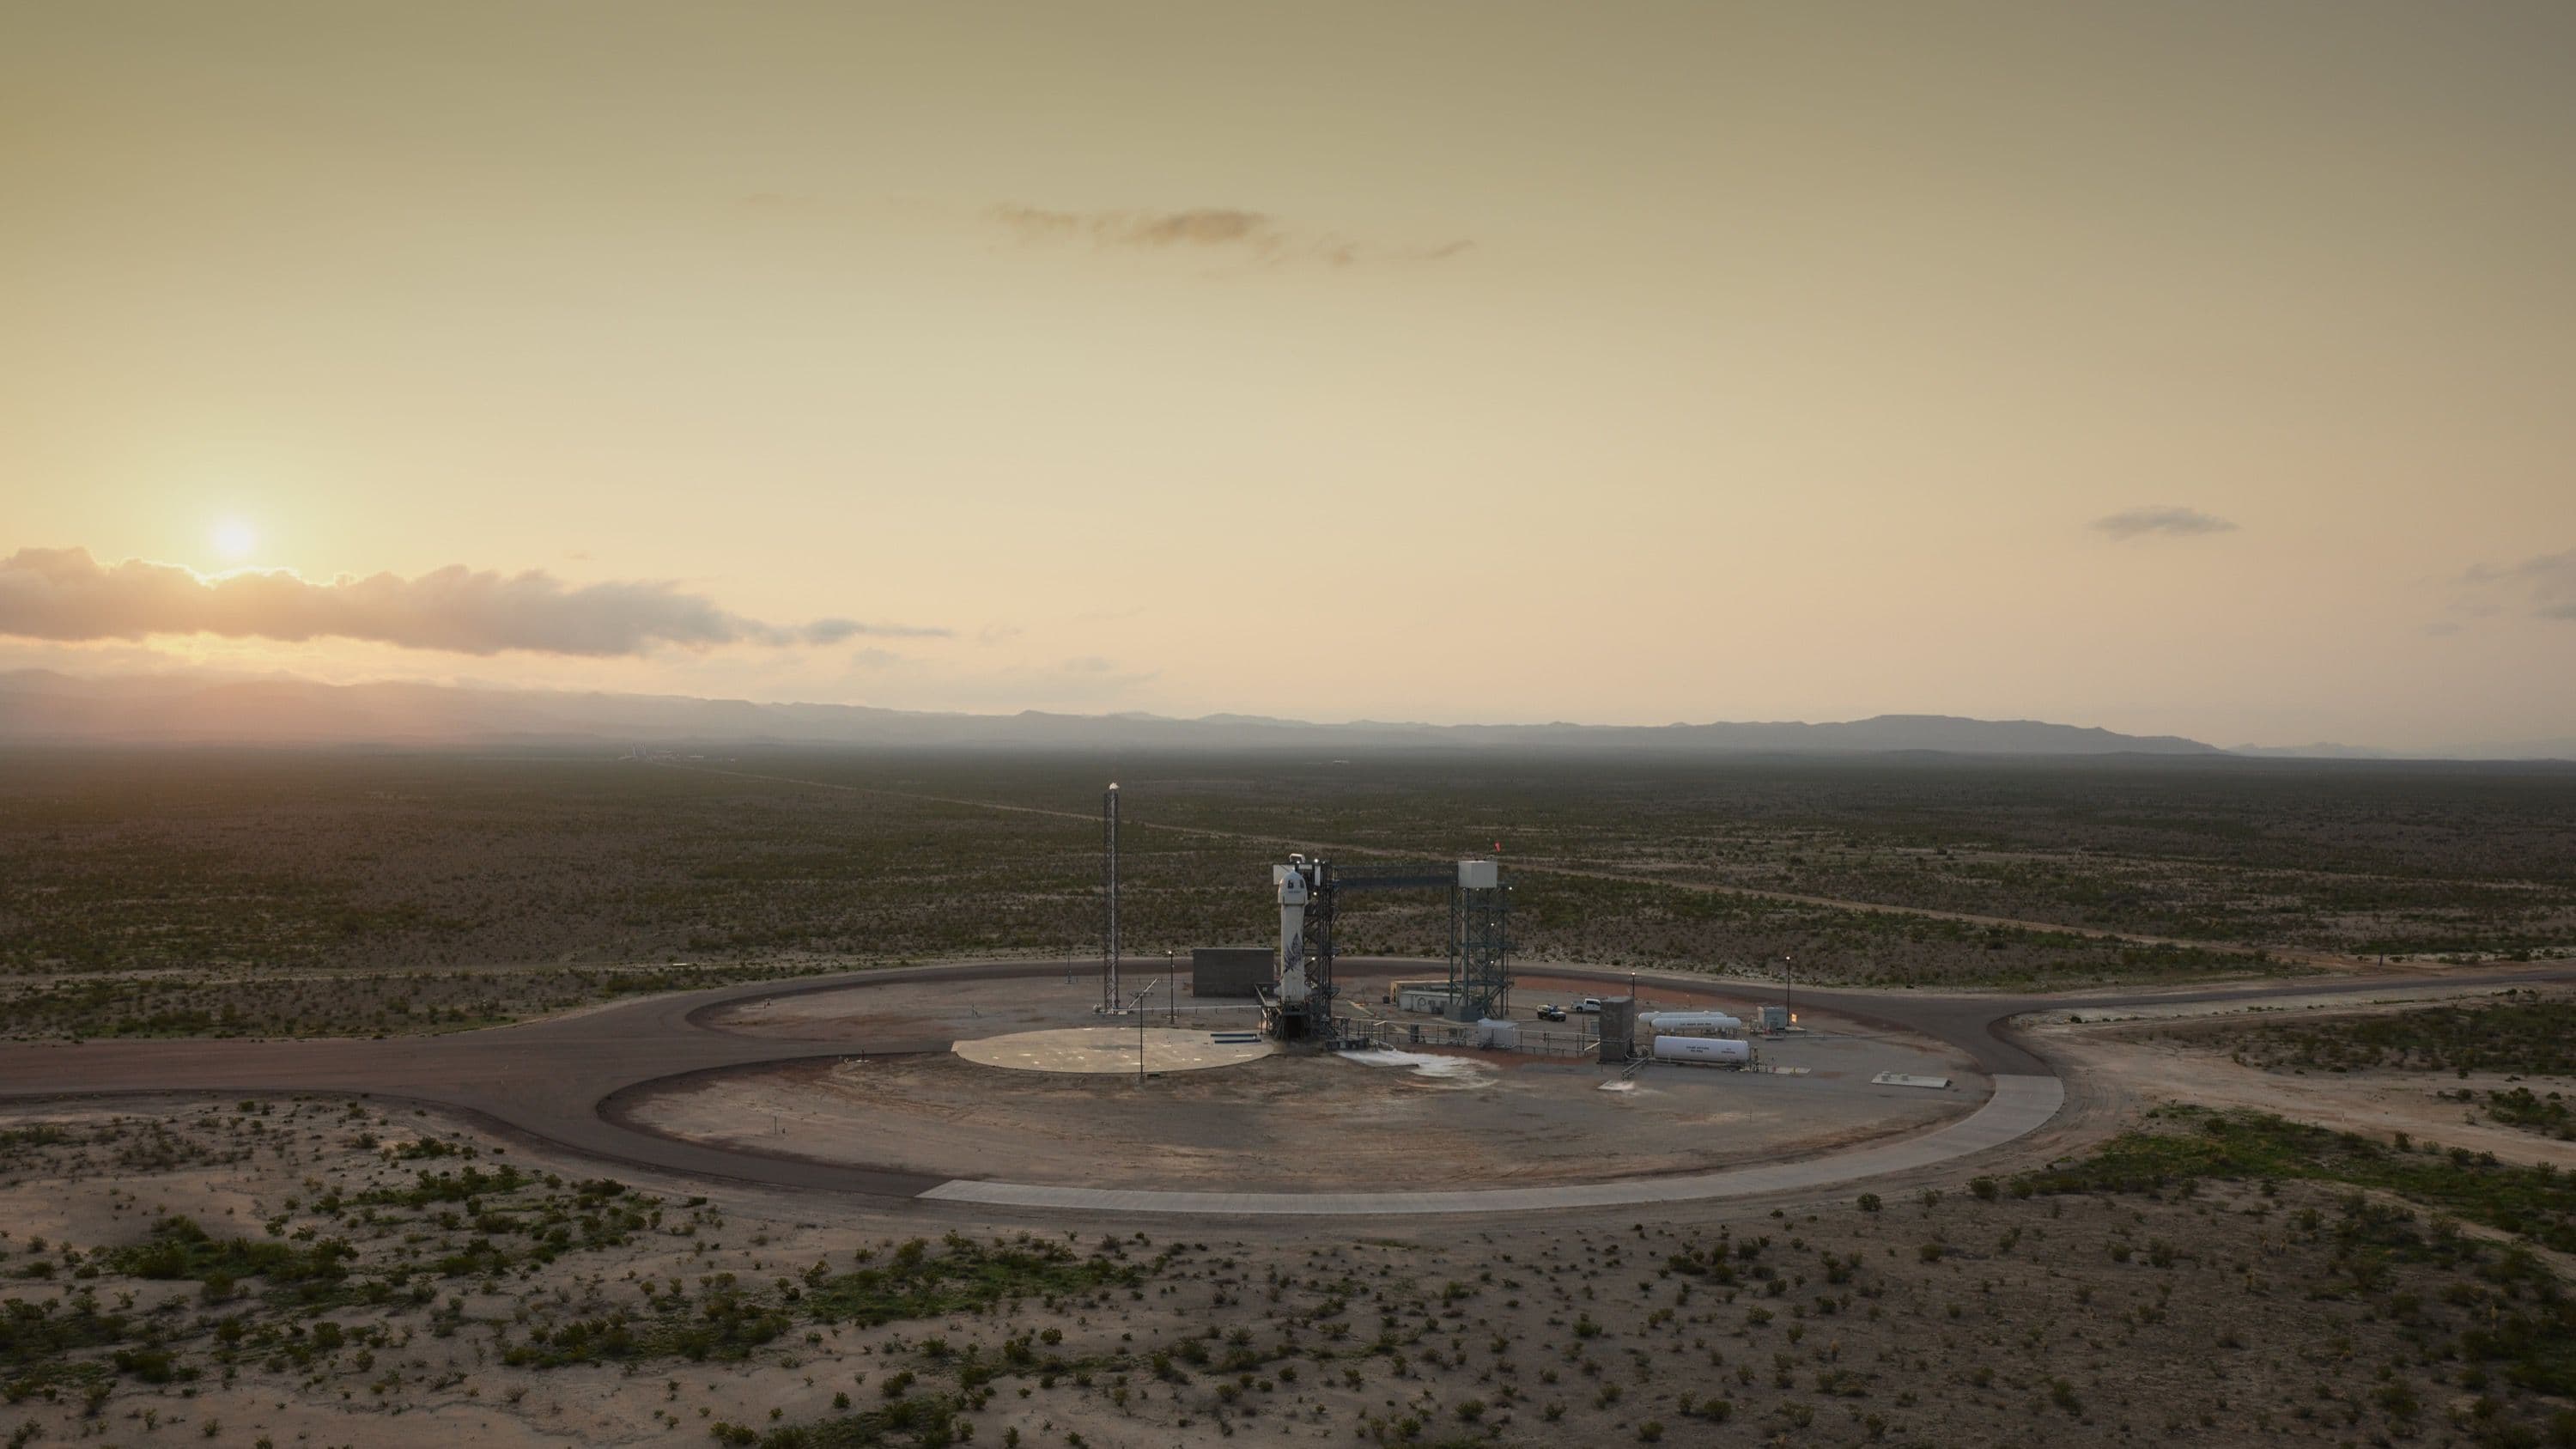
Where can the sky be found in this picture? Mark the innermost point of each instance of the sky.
(2203, 368)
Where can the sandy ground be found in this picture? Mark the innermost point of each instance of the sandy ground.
(2379, 1105)
(1526, 1332)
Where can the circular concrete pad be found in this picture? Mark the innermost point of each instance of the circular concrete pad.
(1109, 1050)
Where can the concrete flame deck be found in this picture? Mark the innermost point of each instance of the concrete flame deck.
(1110, 1051)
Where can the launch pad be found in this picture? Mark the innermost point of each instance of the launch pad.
(1026, 1085)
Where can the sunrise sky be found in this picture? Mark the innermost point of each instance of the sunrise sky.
(2202, 368)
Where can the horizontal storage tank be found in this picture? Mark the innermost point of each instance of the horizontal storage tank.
(1692, 1021)
(1495, 1032)
(1704, 1050)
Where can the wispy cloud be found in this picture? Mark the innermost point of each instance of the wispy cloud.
(1254, 235)
(2549, 582)
(65, 594)
(2161, 519)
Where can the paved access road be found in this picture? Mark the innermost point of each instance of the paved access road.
(554, 1080)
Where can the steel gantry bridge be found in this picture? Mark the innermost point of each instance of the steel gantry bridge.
(1480, 904)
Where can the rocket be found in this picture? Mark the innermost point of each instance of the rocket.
(1293, 891)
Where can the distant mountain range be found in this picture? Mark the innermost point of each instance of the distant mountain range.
(42, 706)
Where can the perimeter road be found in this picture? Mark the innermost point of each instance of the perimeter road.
(563, 1081)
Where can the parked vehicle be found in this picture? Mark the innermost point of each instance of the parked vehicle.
(1551, 1012)
(1590, 1006)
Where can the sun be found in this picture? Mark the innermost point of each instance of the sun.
(235, 539)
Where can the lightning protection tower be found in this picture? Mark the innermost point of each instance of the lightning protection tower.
(1109, 1002)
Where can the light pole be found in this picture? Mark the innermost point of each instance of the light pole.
(1171, 987)
(1788, 970)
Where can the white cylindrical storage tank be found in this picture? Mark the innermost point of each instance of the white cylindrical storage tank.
(1693, 1021)
(1705, 1050)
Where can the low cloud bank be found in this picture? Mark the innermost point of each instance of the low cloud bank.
(2162, 519)
(65, 594)
(1259, 235)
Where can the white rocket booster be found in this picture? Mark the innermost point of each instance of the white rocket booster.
(1291, 880)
